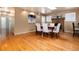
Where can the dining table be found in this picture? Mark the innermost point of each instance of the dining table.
(49, 27)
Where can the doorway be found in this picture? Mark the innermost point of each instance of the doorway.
(5, 26)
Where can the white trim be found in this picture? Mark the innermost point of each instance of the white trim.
(68, 31)
(23, 32)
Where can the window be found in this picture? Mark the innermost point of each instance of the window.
(43, 19)
(70, 16)
(48, 19)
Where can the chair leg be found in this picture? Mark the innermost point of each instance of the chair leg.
(51, 34)
(57, 35)
(47, 34)
(42, 34)
(36, 32)
(73, 33)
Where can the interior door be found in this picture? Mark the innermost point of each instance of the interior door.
(3, 26)
(6, 26)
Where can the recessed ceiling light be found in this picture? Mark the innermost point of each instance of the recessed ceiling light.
(69, 7)
(52, 8)
(32, 13)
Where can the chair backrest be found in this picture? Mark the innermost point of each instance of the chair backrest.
(55, 24)
(45, 27)
(73, 26)
(38, 26)
(78, 24)
(57, 28)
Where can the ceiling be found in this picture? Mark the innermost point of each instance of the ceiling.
(37, 9)
(47, 10)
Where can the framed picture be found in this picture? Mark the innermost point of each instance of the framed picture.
(31, 18)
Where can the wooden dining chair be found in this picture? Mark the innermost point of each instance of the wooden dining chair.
(75, 29)
(45, 28)
(38, 28)
(56, 29)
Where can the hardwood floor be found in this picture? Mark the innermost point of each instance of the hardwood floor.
(33, 42)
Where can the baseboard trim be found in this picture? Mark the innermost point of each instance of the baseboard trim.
(23, 32)
(68, 31)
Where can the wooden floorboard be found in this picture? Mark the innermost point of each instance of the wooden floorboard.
(33, 42)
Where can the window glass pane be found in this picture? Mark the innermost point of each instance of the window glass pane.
(70, 16)
(48, 19)
(43, 19)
